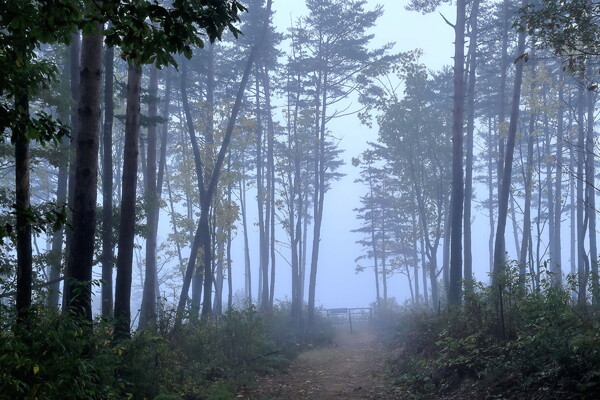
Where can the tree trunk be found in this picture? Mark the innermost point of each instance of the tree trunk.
(75, 73)
(454, 290)
(203, 232)
(55, 254)
(319, 197)
(582, 261)
(374, 250)
(490, 182)
(417, 293)
(499, 248)
(573, 219)
(128, 203)
(270, 182)
(107, 188)
(502, 101)
(468, 257)
(527, 202)
(243, 212)
(23, 225)
(148, 308)
(263, 290)
(81, 252)
(446, 252)
(218, 309)
(228, 249)
(162, 163)
(556, 256)
(590, 192)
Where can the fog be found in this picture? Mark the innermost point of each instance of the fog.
(310, 161)
(385, 200)
(338, 282)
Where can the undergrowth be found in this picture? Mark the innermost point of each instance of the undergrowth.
(503, 342)
(57, 358)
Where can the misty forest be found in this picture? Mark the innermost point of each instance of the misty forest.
(183, 181)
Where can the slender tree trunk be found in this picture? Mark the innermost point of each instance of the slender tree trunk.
(270, 181)
(527, 203)
(410, 285)
(374, 250)
(148, 308)
(424, 276)
(384, 259)
(556, 256)
(107, 187)
(228, 249)
(57, 237)
(173, 222)
(319, 197)
(56, 251)
(468, 257)
(582, 261)
(499, 248)
(81, 253)
(263, 290)
(514, 222)
(304, 218)
(74, 68)
(295, 219)
(128, 203)
(446, 252)
(590, 190)
(427, 247)
(416, 261)
(456, 273)
(23, 225)
(162, 163)
(502, 101)
(202, 236)
(490, 182)
(549, 190)
(218, 309)
(243, 212)
(573, 219)
(424, 269)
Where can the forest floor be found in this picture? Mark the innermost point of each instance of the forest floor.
(353, 367)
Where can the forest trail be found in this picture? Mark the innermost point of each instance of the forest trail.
(352, 368)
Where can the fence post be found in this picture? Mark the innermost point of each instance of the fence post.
(350, 319)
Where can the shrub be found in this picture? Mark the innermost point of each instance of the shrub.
(503, 341)
(57, 359)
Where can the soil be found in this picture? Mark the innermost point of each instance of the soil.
(353, 367)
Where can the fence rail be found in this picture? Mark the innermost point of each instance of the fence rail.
(356, 314)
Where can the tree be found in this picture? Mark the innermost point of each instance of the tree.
(568, 28)
(334, 34)
(472, 66)
(202, 236)
(149, 34)
(499, 248)
(107, 186)
(457, 198)
(86, 170)
(25, 26)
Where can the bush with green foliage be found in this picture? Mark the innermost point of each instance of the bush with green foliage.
(59, 358)
(502, 341)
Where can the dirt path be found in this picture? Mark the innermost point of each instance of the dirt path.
(353, 368)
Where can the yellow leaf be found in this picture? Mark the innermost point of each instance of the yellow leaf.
(36, 369)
